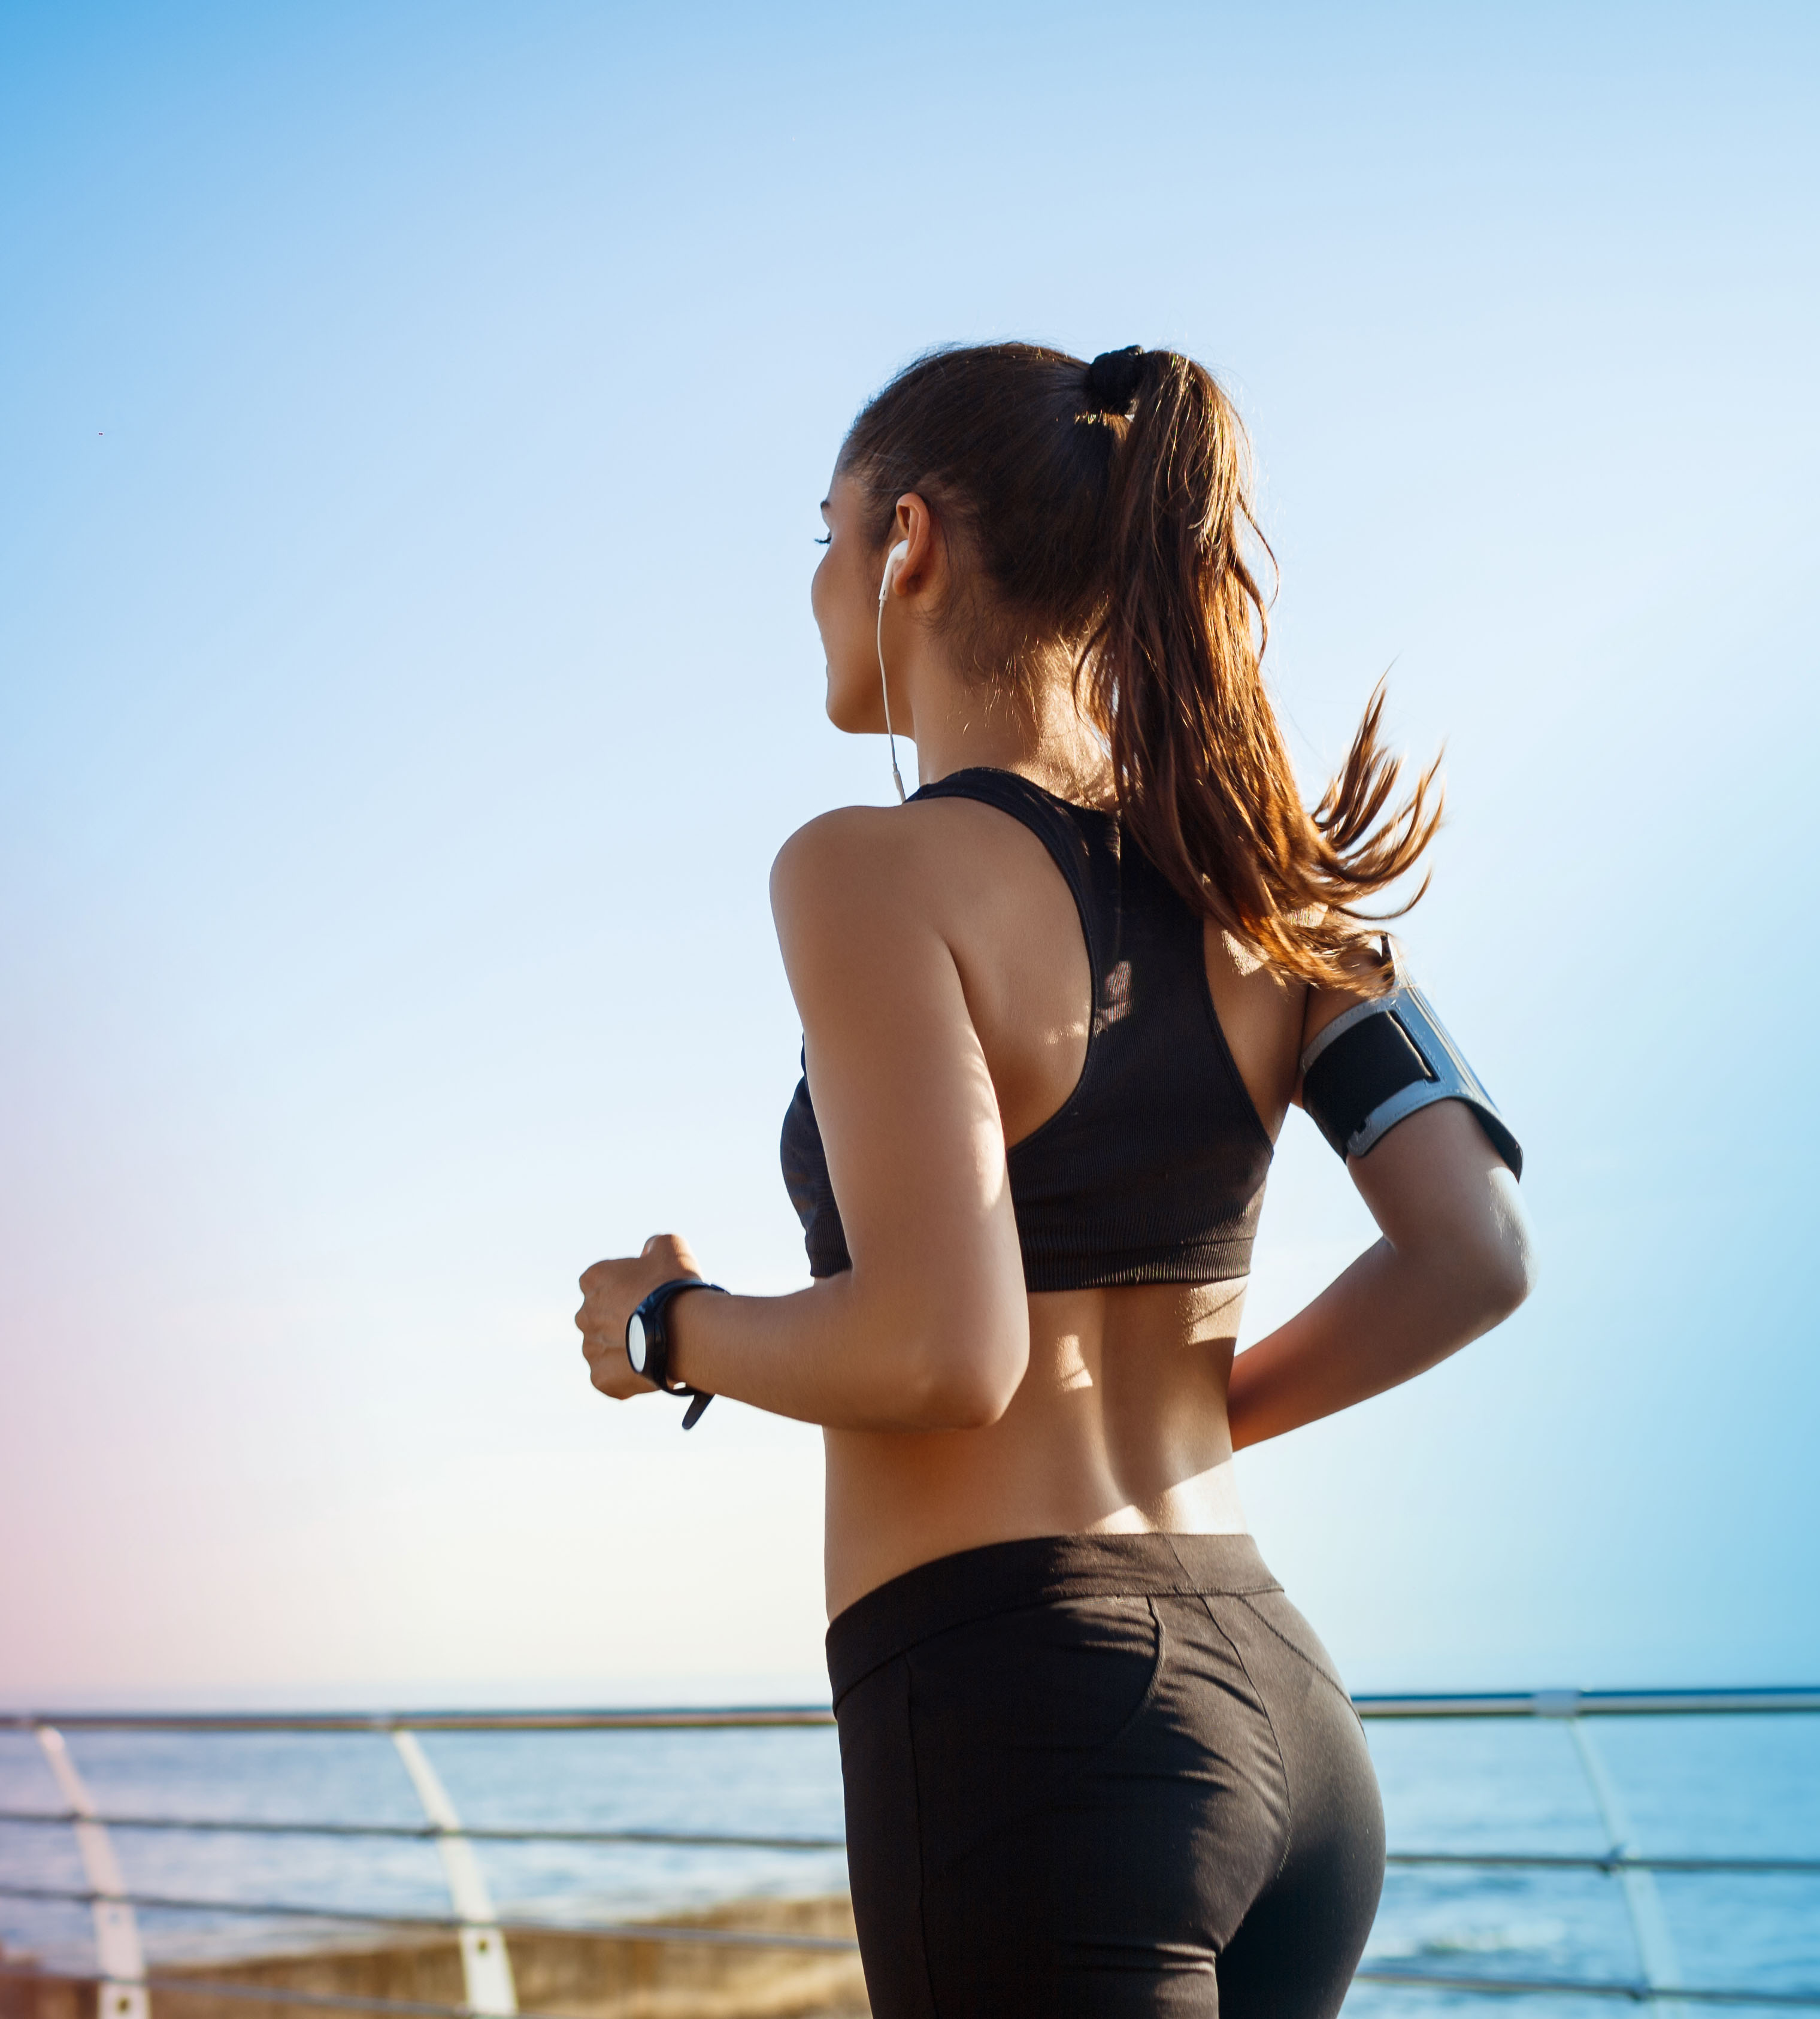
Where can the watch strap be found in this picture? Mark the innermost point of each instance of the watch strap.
(653, 1313)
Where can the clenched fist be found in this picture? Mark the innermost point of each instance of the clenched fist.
(610, 1292)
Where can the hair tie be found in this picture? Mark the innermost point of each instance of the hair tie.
(1112, 378)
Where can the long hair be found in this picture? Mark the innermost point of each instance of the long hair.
(1105, 511)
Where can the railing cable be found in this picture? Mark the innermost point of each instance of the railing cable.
(426, 1832)
(1636, 1994)
(366, 1917)
(1498, 1704)
(1518, 1860)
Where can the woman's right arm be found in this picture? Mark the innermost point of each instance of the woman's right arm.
(930, 1329)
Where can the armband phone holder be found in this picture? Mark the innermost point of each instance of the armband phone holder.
(1380, 1062)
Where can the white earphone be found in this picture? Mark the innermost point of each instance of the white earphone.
(893, 561)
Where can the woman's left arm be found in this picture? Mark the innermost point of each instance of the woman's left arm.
(1454, 1260)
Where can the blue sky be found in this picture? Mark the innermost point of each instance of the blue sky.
(412, 423)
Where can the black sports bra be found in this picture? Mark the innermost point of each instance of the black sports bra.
(1153, 1169)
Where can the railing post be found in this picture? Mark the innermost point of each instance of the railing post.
(1655, 1946)
(118, 1955)
(486, 1966)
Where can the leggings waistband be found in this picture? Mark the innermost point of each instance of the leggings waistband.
(1001, 1577)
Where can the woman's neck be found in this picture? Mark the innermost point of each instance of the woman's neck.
(1039, 733)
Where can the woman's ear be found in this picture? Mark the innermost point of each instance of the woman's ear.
(916, 528)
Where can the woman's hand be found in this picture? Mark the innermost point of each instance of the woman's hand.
(610, 1292)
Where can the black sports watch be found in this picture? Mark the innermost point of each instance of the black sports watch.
(648, 1343)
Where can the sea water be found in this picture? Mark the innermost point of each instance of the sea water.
(1746, 1786)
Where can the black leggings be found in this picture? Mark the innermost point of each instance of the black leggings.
(1101, 1774)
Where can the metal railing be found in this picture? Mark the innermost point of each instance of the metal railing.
(124, 1983)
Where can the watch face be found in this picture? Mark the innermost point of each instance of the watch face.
(637, 1347)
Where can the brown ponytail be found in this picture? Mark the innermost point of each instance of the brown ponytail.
(1107, 512)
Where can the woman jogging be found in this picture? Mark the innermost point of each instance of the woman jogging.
(1056, 1008)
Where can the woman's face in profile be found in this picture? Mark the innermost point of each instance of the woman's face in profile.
(844, 595)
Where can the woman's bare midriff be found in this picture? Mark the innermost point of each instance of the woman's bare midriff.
(1119, 1427)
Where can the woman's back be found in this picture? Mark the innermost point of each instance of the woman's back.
(1120, 1423)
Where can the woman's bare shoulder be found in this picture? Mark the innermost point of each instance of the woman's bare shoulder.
(829, 858)
(897, 858)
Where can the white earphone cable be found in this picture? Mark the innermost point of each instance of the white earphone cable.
(884, 684)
